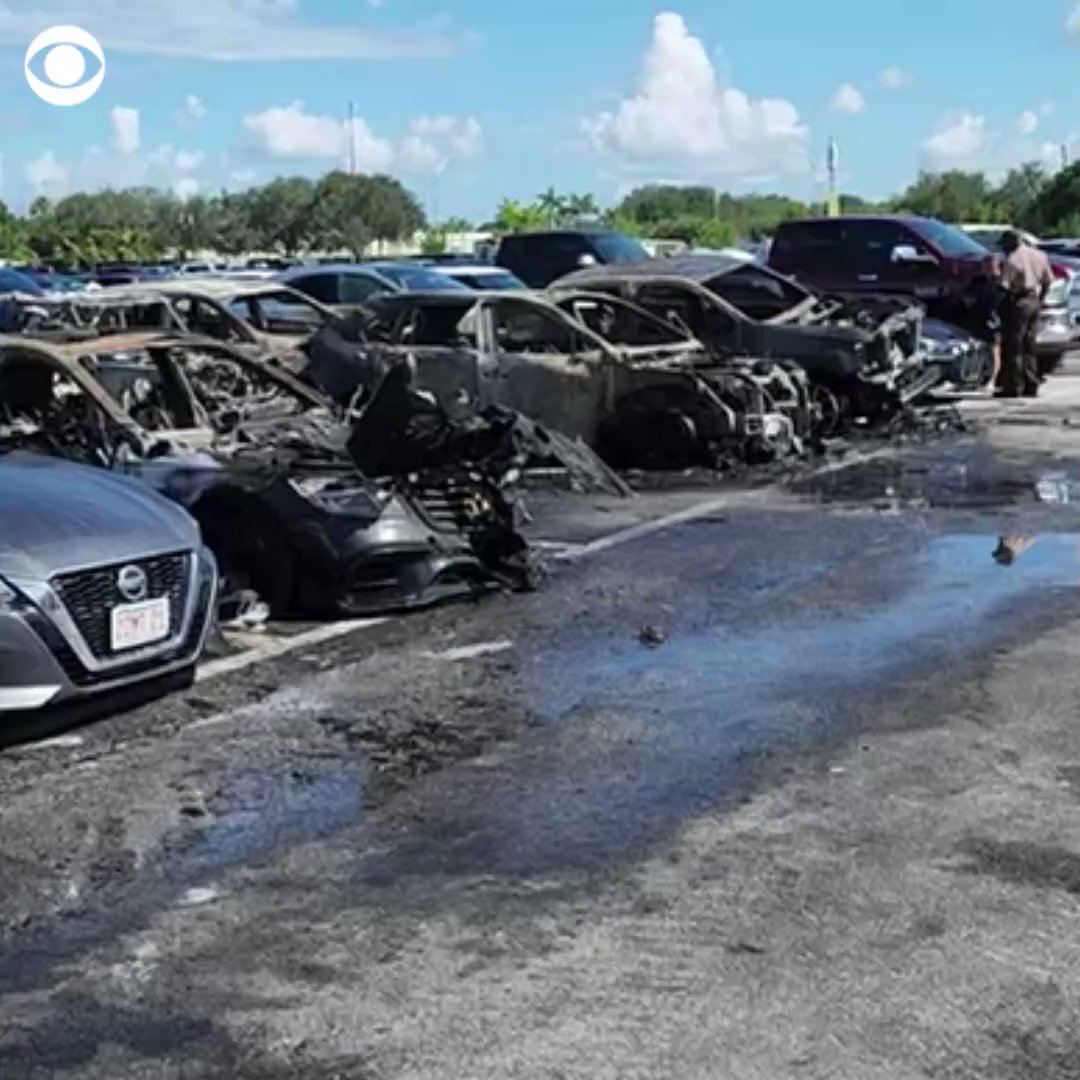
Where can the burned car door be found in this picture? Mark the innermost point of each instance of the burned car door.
(445, 343)
(549, 368)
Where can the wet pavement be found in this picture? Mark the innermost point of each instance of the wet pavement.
(783, 631)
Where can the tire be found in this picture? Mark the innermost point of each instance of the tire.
(1050, 361)
(251, 548)
(653, 429)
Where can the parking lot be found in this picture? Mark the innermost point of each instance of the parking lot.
(768, 753)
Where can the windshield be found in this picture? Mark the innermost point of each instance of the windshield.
(952, 242)
(487, 280)
(419, 278)
(756, 292)
(616, 248)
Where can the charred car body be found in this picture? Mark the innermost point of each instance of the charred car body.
(258, 460)
(589, 365)
(863, 357)
(264, 318)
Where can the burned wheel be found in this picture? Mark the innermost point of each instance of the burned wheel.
(250, 547)
(829, 407)
(654, 429)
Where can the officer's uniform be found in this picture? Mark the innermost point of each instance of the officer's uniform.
(1025, 277)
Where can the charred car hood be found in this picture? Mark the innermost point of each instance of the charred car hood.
(59, 516)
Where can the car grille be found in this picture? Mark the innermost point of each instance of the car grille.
(450, 507)
(90, 596)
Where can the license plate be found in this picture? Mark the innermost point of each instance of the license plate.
(140, 624)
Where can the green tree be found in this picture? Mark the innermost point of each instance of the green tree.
(433, 243)
(514, 217)
(954, 196)
(350, 212)
(1017, 194)
(551, 206)
(283, 214)
(576, 207)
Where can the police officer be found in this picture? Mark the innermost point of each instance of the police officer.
(1026, 279)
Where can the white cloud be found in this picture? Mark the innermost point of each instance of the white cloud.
(189, 160)
(171, 160)
(45, 172)
(1072, 23)
(242, 177)
(221, 30)
(429, 146)
(848, 99)
(895, 78)
(186, 187)
(1050, 155)
(1047, 108)
(1027, 122)
(125, 130)
(191, 112)
(682, 114)
(958, 139)
(290, 132)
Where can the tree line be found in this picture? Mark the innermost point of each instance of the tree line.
(346, 213)
(339, 212)
(1027, 196)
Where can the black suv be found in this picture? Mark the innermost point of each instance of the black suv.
(539, 258)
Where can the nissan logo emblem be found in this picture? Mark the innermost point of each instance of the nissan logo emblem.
(132, 583)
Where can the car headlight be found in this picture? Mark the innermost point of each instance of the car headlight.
(333, 497)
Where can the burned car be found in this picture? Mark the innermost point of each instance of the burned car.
(864, 357)
(262, 465)
(264, 318)
(596, 368)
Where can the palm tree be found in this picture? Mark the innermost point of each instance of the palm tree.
(551, 205)
(582, 206)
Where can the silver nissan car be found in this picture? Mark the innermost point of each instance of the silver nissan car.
(104, 585)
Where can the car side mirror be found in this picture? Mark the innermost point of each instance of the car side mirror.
(908, 253)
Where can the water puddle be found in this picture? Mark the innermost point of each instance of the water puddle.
(263, 809)
(643, 738)
(947, 477)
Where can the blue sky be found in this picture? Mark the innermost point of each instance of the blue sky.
(468, 102)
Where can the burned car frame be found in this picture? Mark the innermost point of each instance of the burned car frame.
(257, 460)
(647, 394)
(864, 357)
(266, 318)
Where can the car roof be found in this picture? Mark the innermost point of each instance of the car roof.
(696, 267)
(215, 288)
(475, 269)
(821, 219)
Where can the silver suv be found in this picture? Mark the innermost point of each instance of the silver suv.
(104, 585)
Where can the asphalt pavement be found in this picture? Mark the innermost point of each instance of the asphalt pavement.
(771, 780)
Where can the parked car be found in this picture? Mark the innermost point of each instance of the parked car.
(480, 276)
(104, 585)
(539, 258)
(352, 284)
(862, 356)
